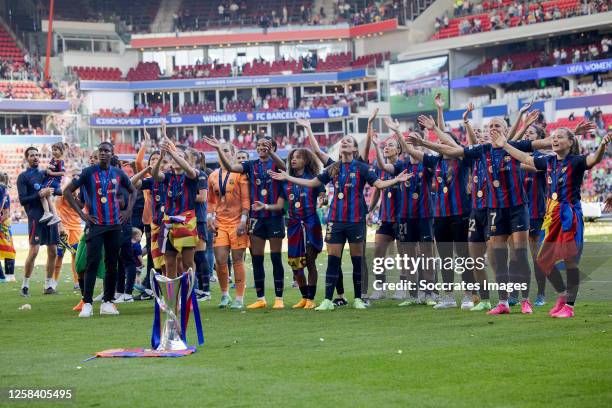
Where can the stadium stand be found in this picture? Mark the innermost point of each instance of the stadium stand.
(497, 15)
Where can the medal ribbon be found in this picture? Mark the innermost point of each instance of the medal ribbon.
(223, 185)
(343, 176)
(104, 180)
(556, 173)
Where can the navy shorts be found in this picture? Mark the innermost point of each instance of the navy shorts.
(506, 221)
(42, 234)
(478, 229)
(415, 230)
(387, 228)
(341, 232)
(266, 228)
(535, 225)
(202, 231)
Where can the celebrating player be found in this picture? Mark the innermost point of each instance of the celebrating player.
(100, 184)
(562, 235)
(265, 225)
(31, 191)
(228, 208)
(179, 224)
(53, 179)
(346, 213)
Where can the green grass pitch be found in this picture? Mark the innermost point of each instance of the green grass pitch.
(385, 356)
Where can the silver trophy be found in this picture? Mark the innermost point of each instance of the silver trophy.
(167, 294)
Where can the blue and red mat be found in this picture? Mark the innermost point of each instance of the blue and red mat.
(140, 352)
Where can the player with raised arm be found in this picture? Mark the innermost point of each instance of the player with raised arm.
(265, 225)
(562, 235)
(346, 221)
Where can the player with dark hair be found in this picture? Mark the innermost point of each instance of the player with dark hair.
(30, 186)
(100, 184)
(346, 213)
(265, 225)
(562, 234)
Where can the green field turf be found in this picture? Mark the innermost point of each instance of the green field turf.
(402, 105)
(384, 356)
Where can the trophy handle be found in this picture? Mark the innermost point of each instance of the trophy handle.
(191, 280)
(152, 275)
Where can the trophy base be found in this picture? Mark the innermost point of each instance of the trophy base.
(172, 345)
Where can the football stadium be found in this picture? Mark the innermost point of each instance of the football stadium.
(187, 185)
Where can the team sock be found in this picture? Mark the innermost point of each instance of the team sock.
(331, 276)
(259, 275)
(239, 279)
(9, 266)
(312, 291)
(340, 283)
(202, 270)
(500, 260)
(573, 282)
(278, 273)
(356, 260)
(26, 283)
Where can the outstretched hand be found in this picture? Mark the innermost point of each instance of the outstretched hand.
(212, 142)
(303, 122)
(257, 206)
(414, 139)
(525, 108)
(532, 117)
(439, 101)
(584, 127)
(278, 175)
(468, 109)
(373, 116)
(392, 124)
(403, 176)
(427, 122)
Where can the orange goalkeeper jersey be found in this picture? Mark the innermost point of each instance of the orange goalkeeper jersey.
(228, 208)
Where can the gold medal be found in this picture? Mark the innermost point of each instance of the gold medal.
(389, 194)
(415, 196)
(352, 175)
(169, 193)
(420, 174)
(496, 183)
(475, 179)
(479, 193)
(445, 189)
(439, 179)
(340, 196)
(103, 200)
(264, 192)
(564, 169)
(507, 158)
(258, 181)
(291, 196)
(555, 196)
(100, 191)
(298, 204)
(490, 169)
(549, 180)
(157, 198)
(162, 209)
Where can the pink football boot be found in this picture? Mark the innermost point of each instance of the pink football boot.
(558, 305)
(566, 311)
(499, 309)
(526, 307)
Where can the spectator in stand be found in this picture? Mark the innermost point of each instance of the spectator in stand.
(557, 56)
(587, 114)
(576, 56)
(495, 65)
(563, 56)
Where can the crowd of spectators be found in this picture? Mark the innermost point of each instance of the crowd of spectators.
(472, 18)
(374, 11)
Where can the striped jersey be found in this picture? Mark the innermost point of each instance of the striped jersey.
(415, 193)
(101, 191)
(200, 208)
(348, 203)
(261, 186)
(563, 176)
(181, 192)
(158, 198)
(503, 172)
(302, 201)
(535, 188)
(389, 200)
(477, 183)
(449, 185)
